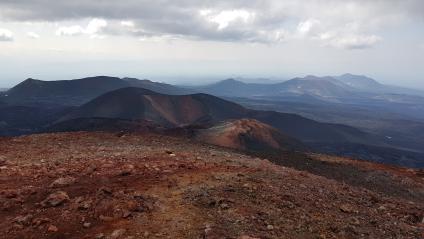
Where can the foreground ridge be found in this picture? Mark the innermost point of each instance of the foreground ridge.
(105, 185)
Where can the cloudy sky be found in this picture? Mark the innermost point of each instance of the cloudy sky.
(184, 40)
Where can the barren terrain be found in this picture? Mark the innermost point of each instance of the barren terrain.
(104, 185)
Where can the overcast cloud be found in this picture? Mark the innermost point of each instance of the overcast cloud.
(376, 37)
(349, 24)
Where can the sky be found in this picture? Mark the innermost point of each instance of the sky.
(195, 41)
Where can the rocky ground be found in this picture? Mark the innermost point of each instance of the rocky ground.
(104, 185)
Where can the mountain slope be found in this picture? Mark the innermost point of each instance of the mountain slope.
(343, 86)
(177, 111)
(63, 92)
(167, 110)
(78, 91)
(327, 87)
(360, 82)
(248, 135)
(231, 87)
(367, 84)
(162, 88)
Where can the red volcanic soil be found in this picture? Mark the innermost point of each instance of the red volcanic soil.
(104, 185)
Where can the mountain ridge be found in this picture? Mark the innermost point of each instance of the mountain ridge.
(78, 91)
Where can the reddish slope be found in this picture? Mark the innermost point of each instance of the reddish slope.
(248, 134)
(166, 110)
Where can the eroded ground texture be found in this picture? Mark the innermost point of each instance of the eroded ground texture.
(100, 185)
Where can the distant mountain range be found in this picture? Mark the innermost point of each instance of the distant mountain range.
(324, 88)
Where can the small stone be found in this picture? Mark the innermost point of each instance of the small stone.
(62, 182)
(84, 205)
(346, 208)
(117, 233)
(126, 214)
(38, 221)
(86, 225)
(208, 229)
(23, 220)
(247, 237)
(355, 221)
(270, 227)
(100, 236)
(55, 199)
(105, 190)
(127, 170)
(105, 218)
(52, 228)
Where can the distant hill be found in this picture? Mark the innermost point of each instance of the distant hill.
(250, 135)
(157, 87)
(203, 109)
(325, 87)
(309, 85)
(78, 91)
(168, 110)
(359, 82)
(232, 87)
(328, 87)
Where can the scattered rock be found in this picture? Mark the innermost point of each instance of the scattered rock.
(270, 227)
(224, 206)
(127, 170)
(105, 190)
(10, 194)
(52, 228)
(117, 233)
(39, 221)
(355, 221)
(248, 237)
(23, 220)
(55, 199)
(100, 236)
(105, 218)
(83, 204)
(207, 231)
(86, 225)
(346, 208)
(126, 214)
(3, 161)
(288, 204)
(62, 182)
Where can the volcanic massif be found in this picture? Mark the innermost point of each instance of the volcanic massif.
(105, 157)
